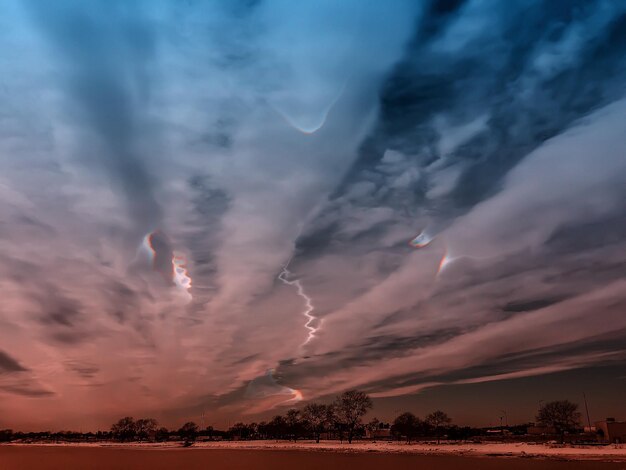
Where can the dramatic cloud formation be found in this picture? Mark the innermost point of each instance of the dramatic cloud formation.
(238, 206)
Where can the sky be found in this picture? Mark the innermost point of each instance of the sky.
(237, 207)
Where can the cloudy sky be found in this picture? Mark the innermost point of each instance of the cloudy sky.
(239, 206)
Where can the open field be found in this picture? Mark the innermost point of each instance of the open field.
(234, 456)
(521, 449)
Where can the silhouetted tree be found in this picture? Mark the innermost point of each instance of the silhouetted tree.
(125, 429)
(438, 419)
(407, 425)
(277, 427)
(188, 432)
(333, 421)
(238, 430)
(6, 435)
(373, 426)
(161, 434)
(243, 431)
(295, 424)
(263, 430)
(316, 416)
(350, 408)
(562, 415)
(145, 428)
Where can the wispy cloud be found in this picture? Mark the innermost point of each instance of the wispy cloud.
(248, 134)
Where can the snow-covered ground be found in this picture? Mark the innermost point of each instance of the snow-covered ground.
(609, 452)
(512, 449)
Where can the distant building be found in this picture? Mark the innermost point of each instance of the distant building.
(541, 430)
(380, 433)
(611, 431)
(500, 431)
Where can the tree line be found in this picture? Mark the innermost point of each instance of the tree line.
(341, 419)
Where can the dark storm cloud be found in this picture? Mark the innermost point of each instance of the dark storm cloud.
(60, 310)
(605, 349)
(62, 315)
(84, 370)
(555, 276)
(370, 349)
(17, 379)
(107, 47)
(589, 234)
(536, 68)
(124, 303)
(27, 390)
(220, 137)
(556, 103)
(42, 227)
(437, 14)
(8, 364)
(528, 305)
(573, 261)
(209, 203)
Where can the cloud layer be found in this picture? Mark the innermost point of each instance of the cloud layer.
(194, 194)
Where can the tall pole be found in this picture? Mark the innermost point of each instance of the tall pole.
(587, 411)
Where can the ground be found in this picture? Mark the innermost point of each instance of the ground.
(308, 454)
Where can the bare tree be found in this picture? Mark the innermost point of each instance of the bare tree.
(373, 426)
(316, 415)
(125, 429)
(294, 423)
(438, 419)
(189, 432)
(406, 425)
(6, 435)
(333, 421)
(277, 427)
(161, 434)
(351, 406)
(243, 430)
(562, 415)
(145, 428)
